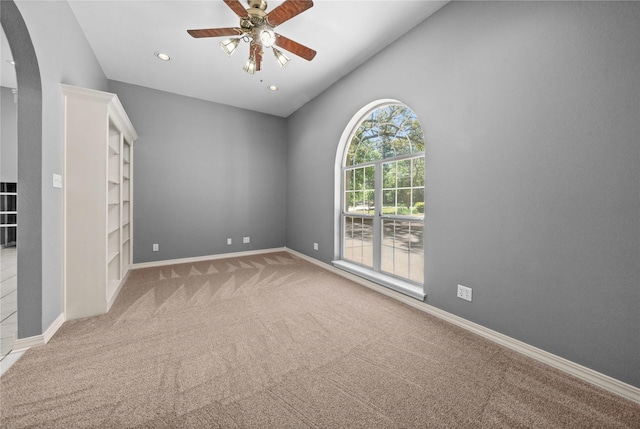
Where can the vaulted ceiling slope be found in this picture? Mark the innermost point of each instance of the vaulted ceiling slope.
(125, 35)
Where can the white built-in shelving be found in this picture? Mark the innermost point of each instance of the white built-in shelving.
(97, 199)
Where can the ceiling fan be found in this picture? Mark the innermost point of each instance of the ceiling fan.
(256, 28)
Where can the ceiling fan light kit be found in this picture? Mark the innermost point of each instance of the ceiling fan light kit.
(250, 66)
(281, 58)
(256, 27)
(229, 45)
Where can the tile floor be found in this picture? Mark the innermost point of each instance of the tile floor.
(8, 299)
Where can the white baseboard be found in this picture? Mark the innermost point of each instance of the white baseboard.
(594, 377)
(205, 258)
(23, 344)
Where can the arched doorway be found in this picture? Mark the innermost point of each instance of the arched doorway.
(8, 198)
(29, 185)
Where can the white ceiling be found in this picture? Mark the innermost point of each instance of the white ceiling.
(125, 35)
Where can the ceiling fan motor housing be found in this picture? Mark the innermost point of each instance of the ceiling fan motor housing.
(257, 4)
(256, 17)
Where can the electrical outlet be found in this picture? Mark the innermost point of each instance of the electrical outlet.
(155, 247)
(315, 246)
(57, 180)
(464, 293)
(229, 241)
(245, 240)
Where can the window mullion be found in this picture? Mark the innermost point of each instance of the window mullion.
(377, 222)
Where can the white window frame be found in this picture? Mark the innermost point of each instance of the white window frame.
(406, 287)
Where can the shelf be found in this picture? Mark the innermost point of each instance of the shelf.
(126, 241)
(8, 225)
(98, 165)
(112, 256)
(8, 213)
(8, 193)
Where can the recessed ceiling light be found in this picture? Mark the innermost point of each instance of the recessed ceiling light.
(273, 87)
(13, 63)
(163, 57)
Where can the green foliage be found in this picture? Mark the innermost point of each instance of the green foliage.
(387, 132)
(404, 211)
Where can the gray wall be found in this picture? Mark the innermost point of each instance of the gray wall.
(9, 137)
(29, 176)
(203, 172)
(63, 56)
(530, 111)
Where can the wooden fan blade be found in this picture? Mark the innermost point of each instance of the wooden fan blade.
(295, 47)
(287, 10)
(215, 32)
(237, 7)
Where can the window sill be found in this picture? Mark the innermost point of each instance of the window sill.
(404, 287)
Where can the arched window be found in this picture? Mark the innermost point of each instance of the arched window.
(381, 216)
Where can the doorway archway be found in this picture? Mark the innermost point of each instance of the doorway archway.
(29, 235)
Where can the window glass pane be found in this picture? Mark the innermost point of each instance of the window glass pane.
(349, 201)
(416, 242)
(358, 240)
(389, 203)
(402, 252)
(349, 180)
(401, 263)
(418, 172)
(388, 232)
(404, 173)
(404, 201)
(417, 197)
(347, 239)
(357, 203)
(417, 268)
(386, 264)
(389, 175)
(369, 202)
(353, 238)
(416, 256)
(386, 132)
(388, 237)
(369, 187)
(367, 242)
(370, 177)
(357, 179)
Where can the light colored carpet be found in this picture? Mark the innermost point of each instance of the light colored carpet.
(274, 341)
